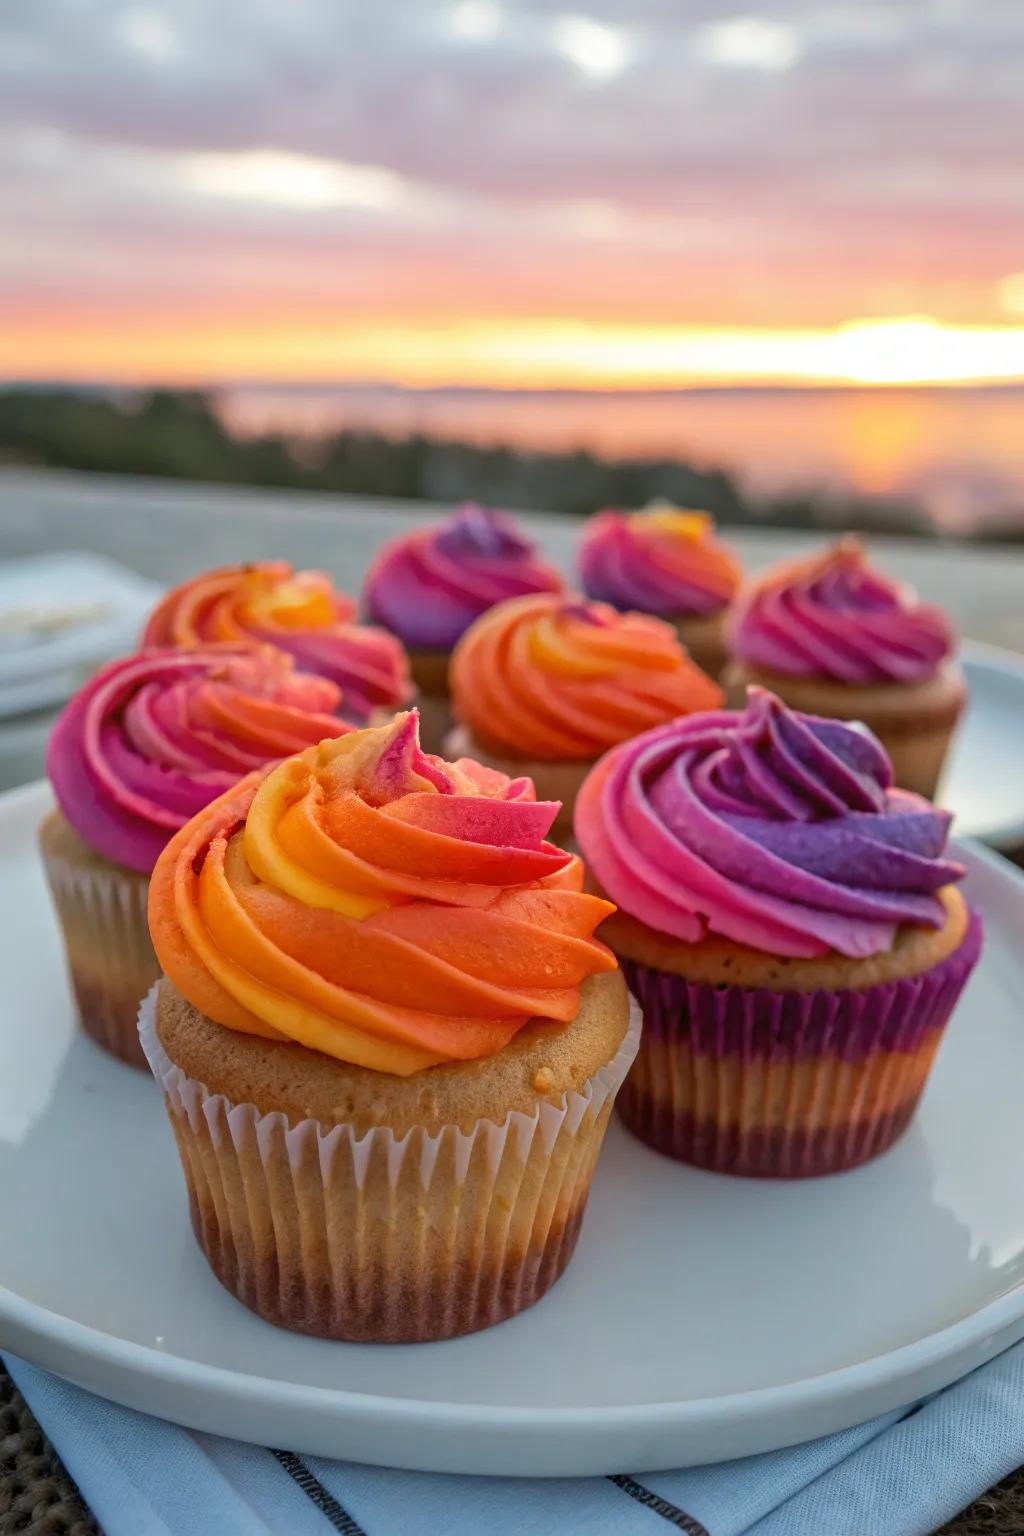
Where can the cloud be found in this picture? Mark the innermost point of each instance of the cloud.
(765, 161)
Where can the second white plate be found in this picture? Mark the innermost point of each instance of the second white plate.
(983, 785)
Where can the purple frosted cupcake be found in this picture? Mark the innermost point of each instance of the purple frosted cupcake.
(668, 562)
(428, 587)
(791, 926)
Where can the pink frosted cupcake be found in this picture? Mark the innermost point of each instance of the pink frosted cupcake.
(667, 562)
(833, 636)
(429, 586)
(298, 612)
(139, 750)
(791, 927)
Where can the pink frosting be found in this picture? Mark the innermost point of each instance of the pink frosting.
(836, 617)
(154, 738)
(775, 829)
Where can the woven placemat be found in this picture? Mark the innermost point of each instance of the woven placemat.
(37, 1498)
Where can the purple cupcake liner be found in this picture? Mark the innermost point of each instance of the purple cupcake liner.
(785, 1084)
(722, 1020)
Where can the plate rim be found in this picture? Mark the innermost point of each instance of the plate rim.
(69, 1348)
(996, 658)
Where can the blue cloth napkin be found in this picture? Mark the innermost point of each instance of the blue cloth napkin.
(900, 1475)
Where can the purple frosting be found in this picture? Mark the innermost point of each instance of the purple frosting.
(775, 829)
(429, 586)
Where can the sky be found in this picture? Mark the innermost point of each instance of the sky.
(584, 193)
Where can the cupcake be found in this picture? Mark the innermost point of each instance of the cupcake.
(543, 685)
(832, 636)
(664, 561)
(298, 612)
(388, 1040)
(429, 586)
(792, 929)
(147, 743)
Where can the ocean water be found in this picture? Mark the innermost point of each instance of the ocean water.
(957, 451)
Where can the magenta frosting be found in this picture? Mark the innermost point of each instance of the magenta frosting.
(154, 738)
(368, 665)
(837, 617)
(429, 586)
(775, 829)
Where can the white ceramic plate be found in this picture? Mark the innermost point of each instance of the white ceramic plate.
(702, 1317)
(983, 783)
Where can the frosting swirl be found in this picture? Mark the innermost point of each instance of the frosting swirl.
(560, 678)
(153, 738)
(300, 612)
(429, 586)
(834, 616)
(778, 830)
(662, 560)
(377, 904)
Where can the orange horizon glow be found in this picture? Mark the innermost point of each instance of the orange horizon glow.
(512, 354)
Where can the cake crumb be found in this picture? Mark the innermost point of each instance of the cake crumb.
(543, 1080)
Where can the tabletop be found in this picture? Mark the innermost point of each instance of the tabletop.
(166, 530)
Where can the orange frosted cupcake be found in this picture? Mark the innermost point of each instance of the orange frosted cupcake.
(666, 561)
(544, 685)
(299, 612)
(388, 1040)
(145, 744)
(833, 636)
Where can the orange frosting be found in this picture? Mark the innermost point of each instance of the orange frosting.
(231, 603)
(299, 612)
(377, 904)
(555, 678)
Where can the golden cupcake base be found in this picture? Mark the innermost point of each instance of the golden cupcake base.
(429, 671)
(703, 636)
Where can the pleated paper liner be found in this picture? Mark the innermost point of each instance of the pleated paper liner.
(382, 1238)
(102, 913)
(743, 1080)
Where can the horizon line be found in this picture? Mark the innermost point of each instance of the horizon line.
(214, 386)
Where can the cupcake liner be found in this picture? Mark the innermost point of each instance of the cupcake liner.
(747, 1081)
(111, 962)
(379, 1237)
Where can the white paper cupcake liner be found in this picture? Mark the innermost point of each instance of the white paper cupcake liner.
(380, 1237)
(112, 965)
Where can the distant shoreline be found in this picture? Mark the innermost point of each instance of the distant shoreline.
(386, 387)
(948, 456)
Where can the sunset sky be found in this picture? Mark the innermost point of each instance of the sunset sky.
(596, 194)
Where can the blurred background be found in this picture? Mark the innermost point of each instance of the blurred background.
(284, 280)
(764, 260)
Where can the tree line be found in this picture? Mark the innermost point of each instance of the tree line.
(179, 434)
